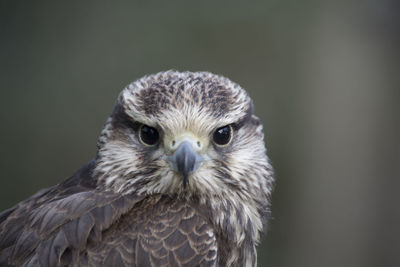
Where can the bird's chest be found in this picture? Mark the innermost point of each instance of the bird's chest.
(159, 231)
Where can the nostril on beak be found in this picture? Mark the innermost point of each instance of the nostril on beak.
(185, 160)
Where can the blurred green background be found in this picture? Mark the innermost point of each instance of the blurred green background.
(324, 76)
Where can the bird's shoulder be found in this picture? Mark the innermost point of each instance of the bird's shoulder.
(38, 230)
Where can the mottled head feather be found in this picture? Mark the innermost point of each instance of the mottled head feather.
(173, 90)
(184, 100)
(195, 97)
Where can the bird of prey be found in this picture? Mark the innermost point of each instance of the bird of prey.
(180, 178)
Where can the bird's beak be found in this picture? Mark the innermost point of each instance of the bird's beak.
(185, 160)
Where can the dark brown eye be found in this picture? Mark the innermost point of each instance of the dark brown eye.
(223, 136)
(148, 135)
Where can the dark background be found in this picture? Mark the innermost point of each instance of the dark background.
(324, 76)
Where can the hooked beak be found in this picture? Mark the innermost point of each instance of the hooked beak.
(185, 160)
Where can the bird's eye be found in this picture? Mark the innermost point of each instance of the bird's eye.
(223, 136)
(148, 135)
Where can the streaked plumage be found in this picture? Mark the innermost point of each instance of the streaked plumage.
(185, 200)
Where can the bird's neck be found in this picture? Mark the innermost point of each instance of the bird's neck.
(238, 229)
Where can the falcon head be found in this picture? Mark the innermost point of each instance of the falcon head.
(189, 134)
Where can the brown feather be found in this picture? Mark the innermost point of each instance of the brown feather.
(159, 231)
